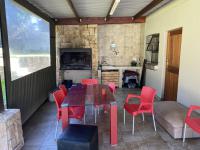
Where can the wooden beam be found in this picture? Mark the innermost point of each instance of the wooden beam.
(73, 10)
(35, 10)
(108, 14)
(147, 8)
(99, 21)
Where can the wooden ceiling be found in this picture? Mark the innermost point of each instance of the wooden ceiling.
(72, 12)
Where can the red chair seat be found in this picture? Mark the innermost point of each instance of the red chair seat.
(134, 109)
(194, 123)
(131, 108)
(76, 112)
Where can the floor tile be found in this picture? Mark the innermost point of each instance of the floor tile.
(40, 128)
(31, 148)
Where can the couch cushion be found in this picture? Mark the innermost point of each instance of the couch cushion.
(173, 112)
(171, 116)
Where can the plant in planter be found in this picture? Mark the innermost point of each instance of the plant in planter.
(133, 63)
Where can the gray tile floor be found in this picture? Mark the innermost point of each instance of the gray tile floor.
(39, 130)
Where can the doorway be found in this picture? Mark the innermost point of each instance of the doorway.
(172, 64)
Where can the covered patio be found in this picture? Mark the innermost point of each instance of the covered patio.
(99, 74)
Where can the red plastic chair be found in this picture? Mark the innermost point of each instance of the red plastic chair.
(73, 112)
(89, 81)
(145, 105)
(112, 87)
(192, 122)
(63, 88)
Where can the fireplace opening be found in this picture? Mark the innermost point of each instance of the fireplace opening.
(75, 59)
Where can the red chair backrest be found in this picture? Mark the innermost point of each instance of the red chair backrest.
(58, 97)
(148, 94)
(89, 81)
(112, 87)
(63, 88)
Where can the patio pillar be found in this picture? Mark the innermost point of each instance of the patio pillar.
(11, 133)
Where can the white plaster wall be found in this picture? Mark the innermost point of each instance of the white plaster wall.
(186, 14)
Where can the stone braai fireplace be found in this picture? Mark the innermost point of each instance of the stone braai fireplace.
(103, 40)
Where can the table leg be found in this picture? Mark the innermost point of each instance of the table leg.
(64, 117)
(120, 77)
(113, 124)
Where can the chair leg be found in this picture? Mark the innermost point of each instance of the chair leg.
(124, 116)
(92, 110)
(55, 137)
(154, 123)
(143, 117)
(184, 132)
(95, 116)
(84, 119)
(133, 125)
(85, 109)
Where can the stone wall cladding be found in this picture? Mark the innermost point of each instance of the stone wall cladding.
(11, 133)
(127, 37)
(77, 36)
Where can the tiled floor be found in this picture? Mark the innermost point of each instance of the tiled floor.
(39, 131)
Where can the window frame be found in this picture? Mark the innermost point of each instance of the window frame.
(150, 51)
(30, 10)
(6, 56)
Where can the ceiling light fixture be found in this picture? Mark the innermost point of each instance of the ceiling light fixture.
(114, 7)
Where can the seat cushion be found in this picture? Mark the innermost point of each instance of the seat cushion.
(172, 112)
(78, 137)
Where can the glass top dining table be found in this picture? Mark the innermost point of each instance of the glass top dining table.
(83, 95)
(80, 95)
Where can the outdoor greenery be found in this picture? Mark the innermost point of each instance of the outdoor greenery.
(27, 32)
(3, 86)
(29, 40)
